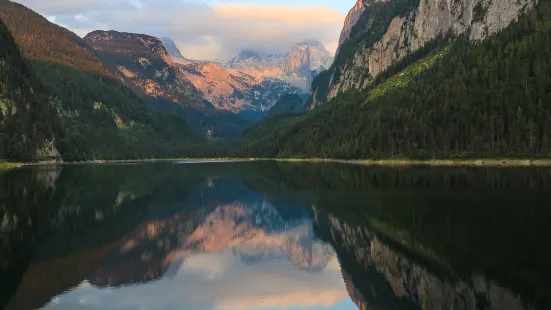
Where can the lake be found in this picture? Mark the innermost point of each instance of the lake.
(274, 235)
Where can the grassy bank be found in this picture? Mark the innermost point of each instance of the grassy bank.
(8, 165)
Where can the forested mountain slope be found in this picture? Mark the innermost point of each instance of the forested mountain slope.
(100, 117)
(26, 123)
(389, 30)
(43, 40)
(488, 98)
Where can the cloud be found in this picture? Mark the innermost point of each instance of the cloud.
(219, 282)
(203, 31)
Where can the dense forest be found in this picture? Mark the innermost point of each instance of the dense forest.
(288, 102)
(26, 125)
(489, 98)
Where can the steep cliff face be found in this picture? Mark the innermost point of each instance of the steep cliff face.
(387, 31)
(351, 19)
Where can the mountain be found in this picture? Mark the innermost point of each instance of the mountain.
(144, 64)
(453, 98)
(64, 47)
(351, 19)
(174, 52)
(388, 31)
(251, 96)
(93, 115)
(298, 67)
(25, 129)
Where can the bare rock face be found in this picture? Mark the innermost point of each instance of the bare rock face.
(234, 90)
(144, 64)
(351, 19)
(298, 67)
(408, 32)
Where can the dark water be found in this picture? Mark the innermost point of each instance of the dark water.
(266, 235)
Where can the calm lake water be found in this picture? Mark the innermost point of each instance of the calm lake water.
(269, 235)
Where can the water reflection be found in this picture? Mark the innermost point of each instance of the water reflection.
(240, 255)
(274, 236)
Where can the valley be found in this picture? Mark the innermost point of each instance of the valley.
(410, 80)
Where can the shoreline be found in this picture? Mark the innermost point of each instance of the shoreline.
(433, 162)
(367, 162)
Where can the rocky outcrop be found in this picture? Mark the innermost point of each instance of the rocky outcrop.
(407, 31)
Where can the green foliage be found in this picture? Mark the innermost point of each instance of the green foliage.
(403, 78)
(24, 116)
(74, 101)
(103, 119)
(288, 102)
(489, 98)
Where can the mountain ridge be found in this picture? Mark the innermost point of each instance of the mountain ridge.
(297, 67)
(402, 26)
(144, 64)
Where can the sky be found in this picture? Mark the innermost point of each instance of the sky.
(207, 29)
(220, 281)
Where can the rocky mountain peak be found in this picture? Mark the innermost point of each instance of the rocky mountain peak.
(174, 52)
(127, 43)
(311, 43)
(306, 60)
(249, 54)
(298, 67)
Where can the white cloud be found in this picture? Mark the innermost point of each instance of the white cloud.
(202, 31)
(220, 281)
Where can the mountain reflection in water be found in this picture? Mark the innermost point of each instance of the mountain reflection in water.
(269, 235)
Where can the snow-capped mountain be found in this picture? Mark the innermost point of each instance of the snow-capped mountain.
(298, 67)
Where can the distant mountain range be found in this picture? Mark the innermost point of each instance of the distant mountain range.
(250, 83)
(298, 67)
